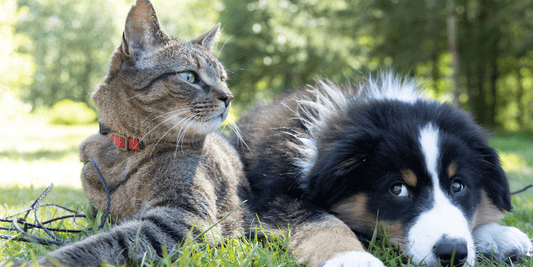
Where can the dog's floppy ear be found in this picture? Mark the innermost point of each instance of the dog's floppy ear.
(492, 175)
(326, 181)
(494, 179)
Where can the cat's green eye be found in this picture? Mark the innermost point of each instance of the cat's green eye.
(189, 76)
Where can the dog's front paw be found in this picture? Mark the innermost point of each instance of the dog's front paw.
(502, 242)
(353, 259)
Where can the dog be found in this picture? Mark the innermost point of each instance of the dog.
(331, 164)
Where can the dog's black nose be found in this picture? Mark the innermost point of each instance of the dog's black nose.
(451, 251)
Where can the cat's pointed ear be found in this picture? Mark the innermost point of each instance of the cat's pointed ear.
(206, 39)
(143, 32)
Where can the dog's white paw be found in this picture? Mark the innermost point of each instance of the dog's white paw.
(353, 259)
(501, 242)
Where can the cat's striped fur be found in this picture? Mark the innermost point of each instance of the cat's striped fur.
(172, 96)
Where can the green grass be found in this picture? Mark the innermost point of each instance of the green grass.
(33, 154)
(516, 153)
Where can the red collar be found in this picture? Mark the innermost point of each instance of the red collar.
(130, 144)
(122, 142)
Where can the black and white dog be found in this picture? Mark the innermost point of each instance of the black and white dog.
(333, 163)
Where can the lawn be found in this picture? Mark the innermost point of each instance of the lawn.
(34, 154)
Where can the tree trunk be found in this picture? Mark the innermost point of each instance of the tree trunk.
(522, 106)
(452, 48)
(493, 86)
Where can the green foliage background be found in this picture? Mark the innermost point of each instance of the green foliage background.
(59, 49)
(68, 112)
(51, 50)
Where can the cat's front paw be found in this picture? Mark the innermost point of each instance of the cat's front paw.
(502, 242)
(353, 259)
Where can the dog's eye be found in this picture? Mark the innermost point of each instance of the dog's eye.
(400, 190)
(457, 186)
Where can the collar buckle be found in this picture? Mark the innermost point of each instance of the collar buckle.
(120, 141)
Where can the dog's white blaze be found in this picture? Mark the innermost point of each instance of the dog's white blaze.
(443, 218)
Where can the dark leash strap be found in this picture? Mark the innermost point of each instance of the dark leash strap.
(15, 220)
(522, 190)
(104, 183)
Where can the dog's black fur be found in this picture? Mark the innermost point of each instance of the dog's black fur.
(330, 158)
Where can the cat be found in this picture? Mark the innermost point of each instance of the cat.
(167, 168)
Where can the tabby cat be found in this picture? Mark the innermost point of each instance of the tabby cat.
(166, 166)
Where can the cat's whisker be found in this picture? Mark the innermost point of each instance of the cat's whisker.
(199, 121)
(175, 115)
(233, 59)
(178, 141)
(193, 120)
(170, 112)
(240, 140)
(133, 97)
(164, 136)
(220, 51)
(202, 118)
(232, 123)
(177, 124)
(181, 134)
(157, 126)
(147, 118)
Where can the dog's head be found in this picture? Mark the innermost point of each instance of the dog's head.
(423, 169)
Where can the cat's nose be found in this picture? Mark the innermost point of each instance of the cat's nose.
(226, 98)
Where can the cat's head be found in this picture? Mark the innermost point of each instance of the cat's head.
(161, 88)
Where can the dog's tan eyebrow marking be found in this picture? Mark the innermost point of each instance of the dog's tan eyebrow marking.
(354, 206)
(347, 163)
(409, 177)
(452, 169)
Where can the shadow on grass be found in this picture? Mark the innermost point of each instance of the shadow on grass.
(39, 155)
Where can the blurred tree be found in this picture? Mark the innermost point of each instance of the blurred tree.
(416, 35)
(270, 46)
(185, 19)
(71, 41)
(70, 44)
(489, 31)
(16, 70)
(273, 46)
(281, 44)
